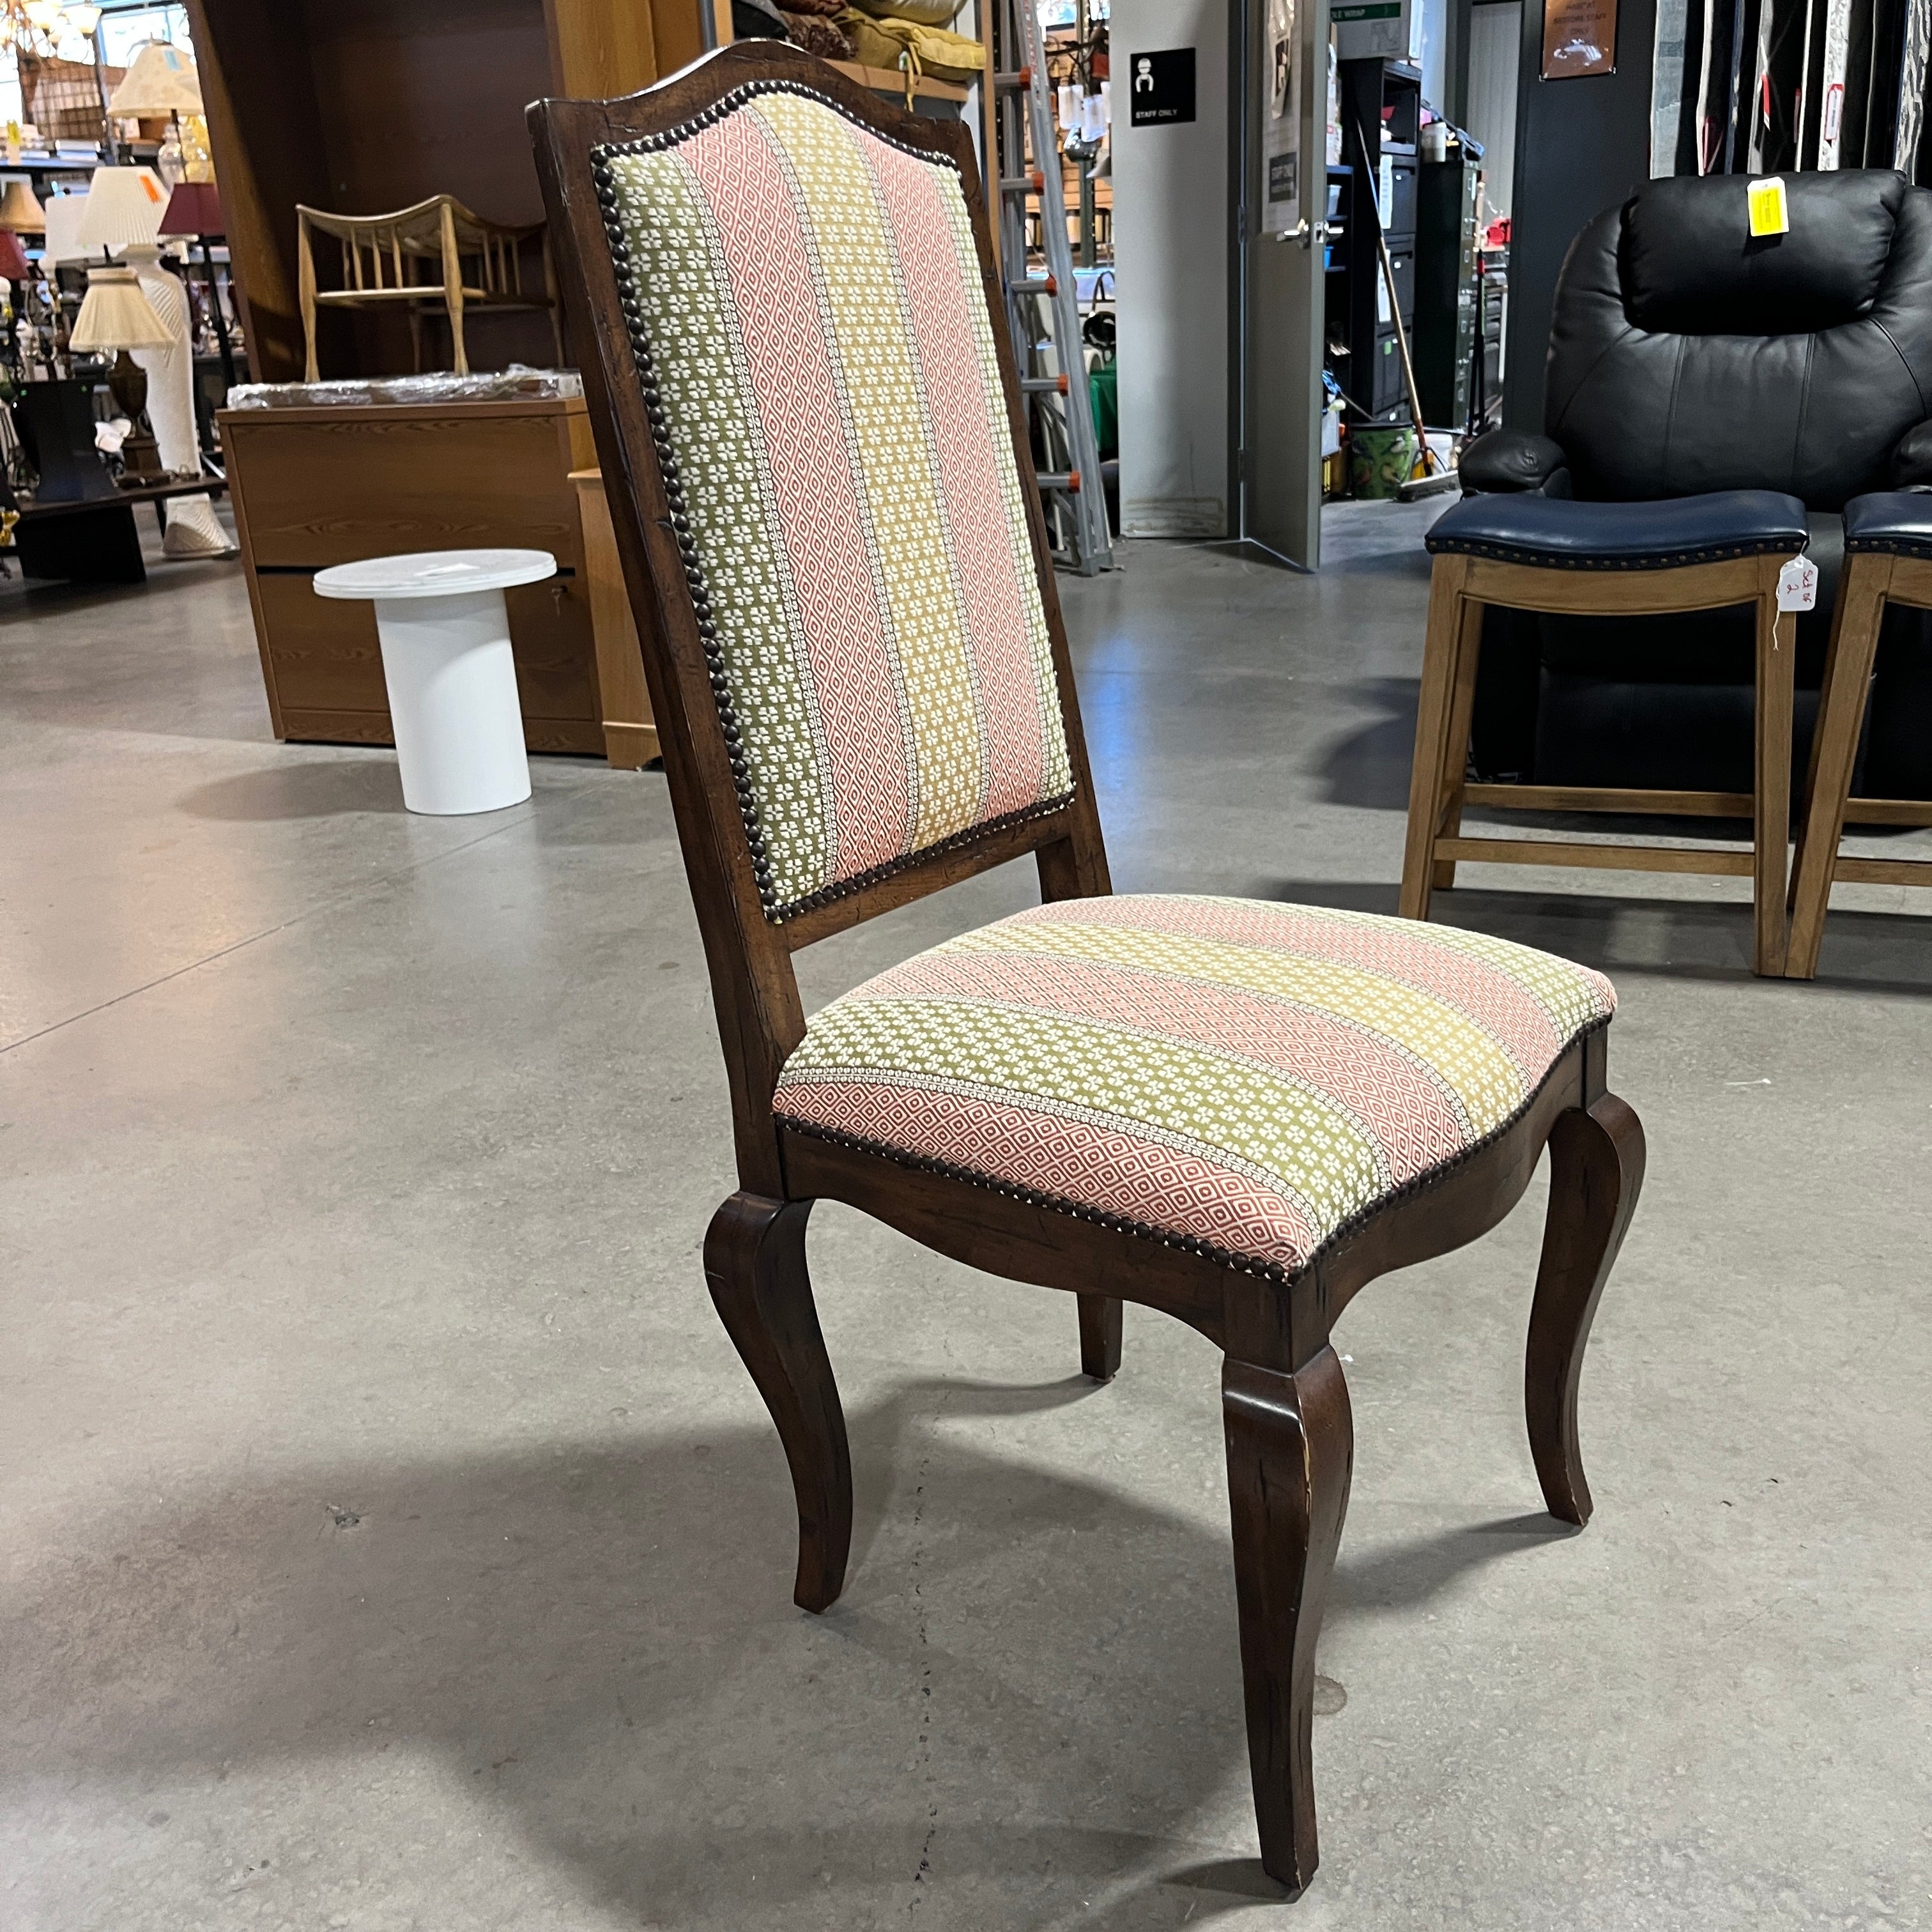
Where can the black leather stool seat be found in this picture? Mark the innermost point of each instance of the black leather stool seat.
(1898, 522)
(1559, 533)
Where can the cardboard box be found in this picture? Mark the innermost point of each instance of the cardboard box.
(1375, 29)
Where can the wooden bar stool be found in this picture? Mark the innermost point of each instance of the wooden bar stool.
(1887, 560)
(1554, 555)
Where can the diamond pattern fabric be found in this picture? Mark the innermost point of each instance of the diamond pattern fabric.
(1243, 1078)
(810, 301)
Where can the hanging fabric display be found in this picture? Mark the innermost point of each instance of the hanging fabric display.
(1667, 85)
(1761, 87)
(1909, 125)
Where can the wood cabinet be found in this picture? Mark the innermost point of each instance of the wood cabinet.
(314, 486)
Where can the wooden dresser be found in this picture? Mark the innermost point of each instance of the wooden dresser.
(319, 485)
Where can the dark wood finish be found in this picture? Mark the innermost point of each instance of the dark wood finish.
(754, 1267)
(1460, 589)
(325, 485)
(1870, 582)
(1290, 1452)
(1100, 1322)
(1596, 1172)
(1286, 1405)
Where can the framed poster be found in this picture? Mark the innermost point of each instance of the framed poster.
(1579, 37)
(1281, 123)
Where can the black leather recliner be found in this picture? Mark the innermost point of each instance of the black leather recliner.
(1684, 357)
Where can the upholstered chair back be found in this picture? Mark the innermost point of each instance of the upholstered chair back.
(808, 309)
(1686, 356)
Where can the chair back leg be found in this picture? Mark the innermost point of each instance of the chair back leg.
(1100, 1317)
(1855, 624)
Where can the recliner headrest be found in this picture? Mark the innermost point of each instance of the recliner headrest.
(1690, 265)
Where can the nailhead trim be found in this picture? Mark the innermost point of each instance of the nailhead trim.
(1888, 546)
(1240, 1264)
(1496, 553)
(776, 913)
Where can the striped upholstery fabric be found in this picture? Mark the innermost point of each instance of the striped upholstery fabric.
(1242, 1078)
(807, 300)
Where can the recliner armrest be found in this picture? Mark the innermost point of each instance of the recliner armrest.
(1505, 461)
(1911, 459)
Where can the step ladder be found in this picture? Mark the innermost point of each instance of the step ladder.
(1042, 313)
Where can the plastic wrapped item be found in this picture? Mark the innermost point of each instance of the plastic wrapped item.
(516, 384)
(921, 13)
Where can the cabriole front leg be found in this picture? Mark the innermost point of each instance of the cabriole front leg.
(1596, 1173)
(1290, 1451)
(754, 1267)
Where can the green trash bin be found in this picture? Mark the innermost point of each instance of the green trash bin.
(1380, 460)
(1103, 389)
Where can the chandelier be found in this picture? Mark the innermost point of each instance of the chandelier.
(40, 26)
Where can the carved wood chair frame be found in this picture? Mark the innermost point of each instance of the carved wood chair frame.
(1286, 1405)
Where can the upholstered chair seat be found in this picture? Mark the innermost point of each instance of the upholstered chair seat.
(1243, 1079)
(1559, 533)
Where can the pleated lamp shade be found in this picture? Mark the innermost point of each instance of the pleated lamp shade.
(20, 214)
(117, 315)
(160, 79)
(123, 209)
(13, 264)
(62, 239)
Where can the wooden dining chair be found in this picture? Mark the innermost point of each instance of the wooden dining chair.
(1236, 1112)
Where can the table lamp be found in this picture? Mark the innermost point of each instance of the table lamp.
(123, 210)
(195, 209)
(20, 213)
(117, 316)
(14, 266)
(160, 79)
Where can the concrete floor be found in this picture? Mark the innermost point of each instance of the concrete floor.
(390, 1537)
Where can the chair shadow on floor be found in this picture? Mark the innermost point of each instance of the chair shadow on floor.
(1682, 939)
(594, 1641)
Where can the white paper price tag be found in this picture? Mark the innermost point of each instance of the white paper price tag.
(1798, 585)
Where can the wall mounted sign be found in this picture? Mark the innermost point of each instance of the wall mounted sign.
(1579, 37)
(1160, 88)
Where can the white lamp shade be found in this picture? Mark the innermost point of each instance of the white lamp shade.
(161, 79)
(63, 213)
(117, 315)
(124, 208)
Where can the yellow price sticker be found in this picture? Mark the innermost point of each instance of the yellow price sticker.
(1769, 213)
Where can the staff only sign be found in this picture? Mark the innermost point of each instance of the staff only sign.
(1160, 88)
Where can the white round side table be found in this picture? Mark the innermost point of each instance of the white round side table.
(445, 637)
